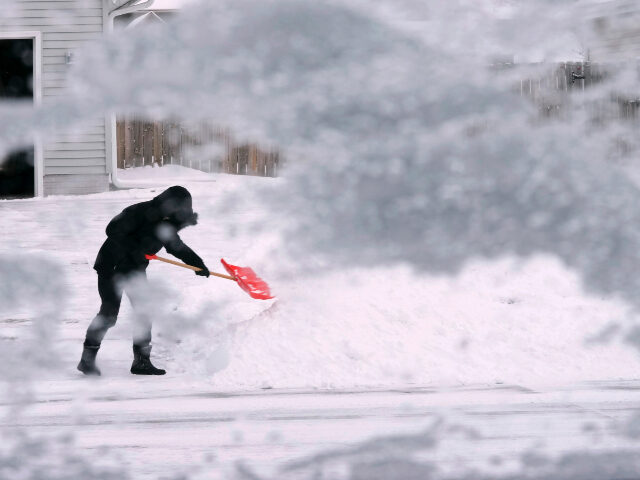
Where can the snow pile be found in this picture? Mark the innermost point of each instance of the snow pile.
(499, 322)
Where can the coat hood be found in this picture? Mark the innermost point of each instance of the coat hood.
(176, 205)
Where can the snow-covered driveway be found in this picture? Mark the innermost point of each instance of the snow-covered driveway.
(481, 371)
(158, 427)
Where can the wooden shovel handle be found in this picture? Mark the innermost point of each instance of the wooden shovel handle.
(190, 267)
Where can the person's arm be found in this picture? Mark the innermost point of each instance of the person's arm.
(174, 245)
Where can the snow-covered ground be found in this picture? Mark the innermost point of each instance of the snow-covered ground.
(514, 349)
(504, 321)
(167, 174)
(161, 427)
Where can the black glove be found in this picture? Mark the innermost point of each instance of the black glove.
(204, 272)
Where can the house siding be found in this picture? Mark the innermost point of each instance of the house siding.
(74, 162)
(76, 184)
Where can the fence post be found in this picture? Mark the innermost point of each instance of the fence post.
(120, 142)
(128, 143)
(147, 143)
(157, 143)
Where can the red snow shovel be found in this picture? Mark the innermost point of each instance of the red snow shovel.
(243, 276)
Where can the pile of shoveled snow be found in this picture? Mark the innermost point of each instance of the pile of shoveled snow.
(526, 323)
(505, 321)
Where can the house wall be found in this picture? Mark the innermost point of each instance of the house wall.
(75, 162)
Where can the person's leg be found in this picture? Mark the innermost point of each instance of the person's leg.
(138, 290)
(111, 296)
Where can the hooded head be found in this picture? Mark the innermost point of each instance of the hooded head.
(175, 205)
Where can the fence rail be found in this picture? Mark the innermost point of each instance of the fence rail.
(142, 142)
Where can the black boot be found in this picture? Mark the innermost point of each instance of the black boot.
(87, 363)
(142, 363)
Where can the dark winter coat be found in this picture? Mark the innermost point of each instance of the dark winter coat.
(146, 227)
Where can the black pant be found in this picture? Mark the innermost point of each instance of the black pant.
(110, 289)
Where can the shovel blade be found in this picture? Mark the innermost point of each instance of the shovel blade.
(248, 281)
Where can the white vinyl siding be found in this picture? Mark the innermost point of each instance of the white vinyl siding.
(66, 26)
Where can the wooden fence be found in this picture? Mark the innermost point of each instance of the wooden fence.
(141, 142)
(202, 147)
(550, 91)
(567, 76)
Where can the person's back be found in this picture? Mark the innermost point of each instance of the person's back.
(140, 229)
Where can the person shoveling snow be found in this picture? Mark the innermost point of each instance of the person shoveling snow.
(139, 230)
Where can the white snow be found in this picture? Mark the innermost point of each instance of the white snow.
(165, 175)
(411, 160)
(512, 321)
(379, 369)
(157, 429)
(169, 4)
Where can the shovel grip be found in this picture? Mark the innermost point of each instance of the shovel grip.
(190, 267)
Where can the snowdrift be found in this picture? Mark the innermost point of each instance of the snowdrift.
(502, 322)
